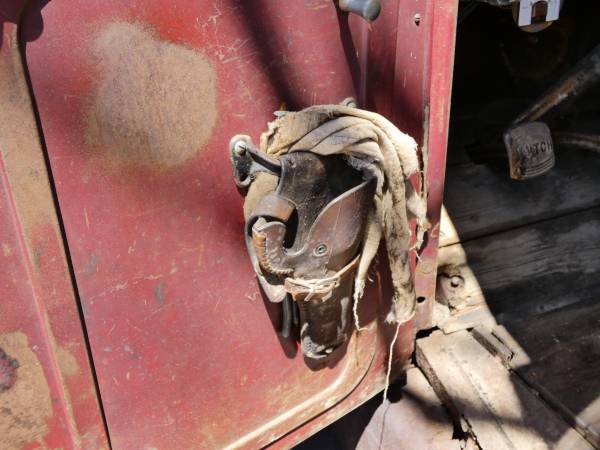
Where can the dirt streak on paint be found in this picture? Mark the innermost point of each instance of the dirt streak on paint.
(155, 101)
(66, 361)
(20, 148)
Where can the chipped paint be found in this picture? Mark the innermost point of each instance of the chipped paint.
(25, 407)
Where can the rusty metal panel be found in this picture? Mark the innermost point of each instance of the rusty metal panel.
(440, 21)
(47, 394)
(138, 100)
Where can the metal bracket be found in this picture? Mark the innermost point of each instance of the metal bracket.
(526, 11)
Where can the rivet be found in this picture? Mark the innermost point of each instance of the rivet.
(239, 147)
(320, 250)
(456, 281)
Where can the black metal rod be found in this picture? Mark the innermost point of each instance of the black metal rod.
(585, 74)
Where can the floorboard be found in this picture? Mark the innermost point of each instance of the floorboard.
(530, 270)
(491, 401)
(558, 354)
(481, 201)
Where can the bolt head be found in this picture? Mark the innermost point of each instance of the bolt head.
(239, 147)
(320, 250)
(457, 281)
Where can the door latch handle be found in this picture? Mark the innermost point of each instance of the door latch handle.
(304, 238)
(247, 161)
(367, 9)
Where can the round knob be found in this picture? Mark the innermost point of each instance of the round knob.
(367, 9)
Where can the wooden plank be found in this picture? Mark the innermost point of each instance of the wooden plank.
(530, 270)
(502, 412)
(481, 201)
(448, 233)
(558, 354)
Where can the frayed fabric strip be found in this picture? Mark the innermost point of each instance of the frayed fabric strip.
(374, 146)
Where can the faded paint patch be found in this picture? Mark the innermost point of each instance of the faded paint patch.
(24, 407)
(8, 371)
(90, 266)
(155, 104)
(20, 142)
(6, 251)
(67, 362)
(159, 293)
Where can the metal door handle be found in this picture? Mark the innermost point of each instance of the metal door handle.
(367, 9)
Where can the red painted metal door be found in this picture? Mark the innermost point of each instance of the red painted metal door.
(137, 101)
(47, 394)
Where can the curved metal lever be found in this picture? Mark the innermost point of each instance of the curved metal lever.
(247, 161)
(367, 9)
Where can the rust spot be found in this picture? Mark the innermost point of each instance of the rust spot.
(8, 371)
(155, 102)
(24, 407)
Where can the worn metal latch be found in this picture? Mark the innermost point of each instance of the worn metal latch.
(303, 236)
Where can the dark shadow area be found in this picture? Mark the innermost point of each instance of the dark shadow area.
(410, 417)
(261, 27)
(33, 22)
(513, 68)
(500, 70)
(275, 312)
(9, 13)
(347, 431)
(350, 51)
(531, 252)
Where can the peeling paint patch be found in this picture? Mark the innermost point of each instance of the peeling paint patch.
(24, 407)
(67, 362)
(155, 104)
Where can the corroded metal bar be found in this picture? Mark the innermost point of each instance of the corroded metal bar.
(585, 73)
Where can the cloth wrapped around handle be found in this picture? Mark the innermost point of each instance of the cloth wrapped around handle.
(317, 151)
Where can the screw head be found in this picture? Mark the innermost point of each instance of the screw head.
(239, 147)
(320, 250)
(350, 102)
(456, 281)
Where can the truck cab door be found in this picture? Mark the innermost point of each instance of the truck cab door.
(137, 101)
